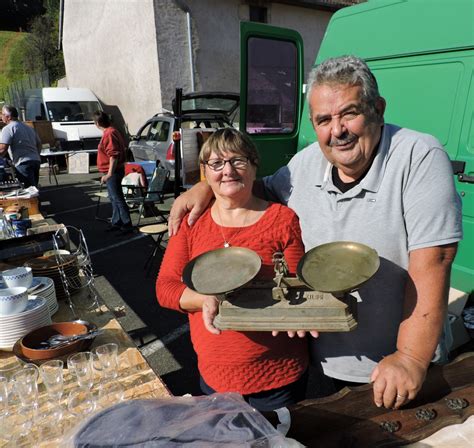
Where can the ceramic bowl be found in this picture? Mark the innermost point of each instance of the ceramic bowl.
(30, 344)
(18, 277)
(13, 300)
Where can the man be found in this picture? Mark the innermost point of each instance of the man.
(23, 145)
(389, 188)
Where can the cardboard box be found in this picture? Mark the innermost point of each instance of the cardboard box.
(456, 303)
(32, 204)
(78, 163)
(44, 130)
(458, 331)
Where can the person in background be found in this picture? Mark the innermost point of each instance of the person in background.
(23, 145)
(111, 162)
(270, 372)
(390, 188)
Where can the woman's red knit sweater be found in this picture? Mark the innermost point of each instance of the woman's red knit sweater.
(112, 144)
(243, 362)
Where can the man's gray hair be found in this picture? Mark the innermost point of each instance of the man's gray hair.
(10, 111)
(349, 70)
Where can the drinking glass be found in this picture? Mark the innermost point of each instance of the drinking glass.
(81, 365)
(4, 414)
(52, 375)
(110, 394)
(7, 371)
(107, 355)
(81, 403)
(3, 396)
(26, 386)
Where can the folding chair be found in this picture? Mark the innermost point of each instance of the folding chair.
(101, 194)
(153, 195)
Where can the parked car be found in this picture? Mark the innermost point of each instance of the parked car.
(200, 110)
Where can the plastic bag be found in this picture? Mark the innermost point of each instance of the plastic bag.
(218, 420)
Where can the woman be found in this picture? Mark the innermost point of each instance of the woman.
(269, 371)
(111, 161)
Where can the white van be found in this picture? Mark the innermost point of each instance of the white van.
(70, 112)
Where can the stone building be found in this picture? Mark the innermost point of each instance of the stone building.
(134, 53)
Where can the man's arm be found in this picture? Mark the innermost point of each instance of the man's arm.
(195, 201)
(3, 149)
(399, 376)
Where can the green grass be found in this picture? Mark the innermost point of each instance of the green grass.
(11, 50)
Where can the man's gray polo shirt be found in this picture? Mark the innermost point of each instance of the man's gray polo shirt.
(406, 201)
(23, 142)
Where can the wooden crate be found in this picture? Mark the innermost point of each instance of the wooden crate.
(44, 130)
(31, 203)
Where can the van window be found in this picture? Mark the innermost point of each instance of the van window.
(72, 110)
(272, 89)
(34, 109)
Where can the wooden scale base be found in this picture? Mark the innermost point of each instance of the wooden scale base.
(253, 308)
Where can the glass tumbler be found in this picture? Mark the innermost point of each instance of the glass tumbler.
(107, 355)
(81, 364)
(26, 386)
(52, 375)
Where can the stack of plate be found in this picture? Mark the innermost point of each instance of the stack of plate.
(48, 267)
(15, 326)
(44, 287)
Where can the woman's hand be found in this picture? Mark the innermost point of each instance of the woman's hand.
(210, 308)
(299, 333)
(105, 178)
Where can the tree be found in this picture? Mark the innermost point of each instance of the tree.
(16, 14)
(40, 52)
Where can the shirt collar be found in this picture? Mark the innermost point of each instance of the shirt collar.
(371, 181)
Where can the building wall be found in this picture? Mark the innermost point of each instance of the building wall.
(134, 53)
(110, 47)
(310, 23)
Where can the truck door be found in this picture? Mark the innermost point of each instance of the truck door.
(270, 91)
(463, 269)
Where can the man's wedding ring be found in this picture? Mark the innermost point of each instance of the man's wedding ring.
(401, 397)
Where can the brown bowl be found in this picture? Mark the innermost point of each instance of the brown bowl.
(30, 344)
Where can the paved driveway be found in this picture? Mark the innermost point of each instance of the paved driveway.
(118, 261)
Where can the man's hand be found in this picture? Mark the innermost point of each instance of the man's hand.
(210, 308)
(299, 333)
(193, 201)
(105, 178)
(397, 379)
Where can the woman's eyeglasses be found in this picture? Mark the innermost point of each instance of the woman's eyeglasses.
(235, 162)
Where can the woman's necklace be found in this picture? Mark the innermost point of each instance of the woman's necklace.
(221, 227)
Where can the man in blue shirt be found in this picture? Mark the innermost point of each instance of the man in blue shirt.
(23, 146)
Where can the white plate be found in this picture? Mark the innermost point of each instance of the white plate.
(7, 330)
(32, 306)
(45, 282)
(10, 340)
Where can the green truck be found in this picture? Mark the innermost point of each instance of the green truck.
(422, 54)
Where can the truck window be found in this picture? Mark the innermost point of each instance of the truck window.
(271, 89)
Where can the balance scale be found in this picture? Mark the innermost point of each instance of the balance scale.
(318, 298)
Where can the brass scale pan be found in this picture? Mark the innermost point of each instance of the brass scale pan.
(336, 268)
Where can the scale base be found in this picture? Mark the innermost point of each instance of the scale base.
(255, 310)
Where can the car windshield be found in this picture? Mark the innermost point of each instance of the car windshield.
(225, 105)
(72, 110)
